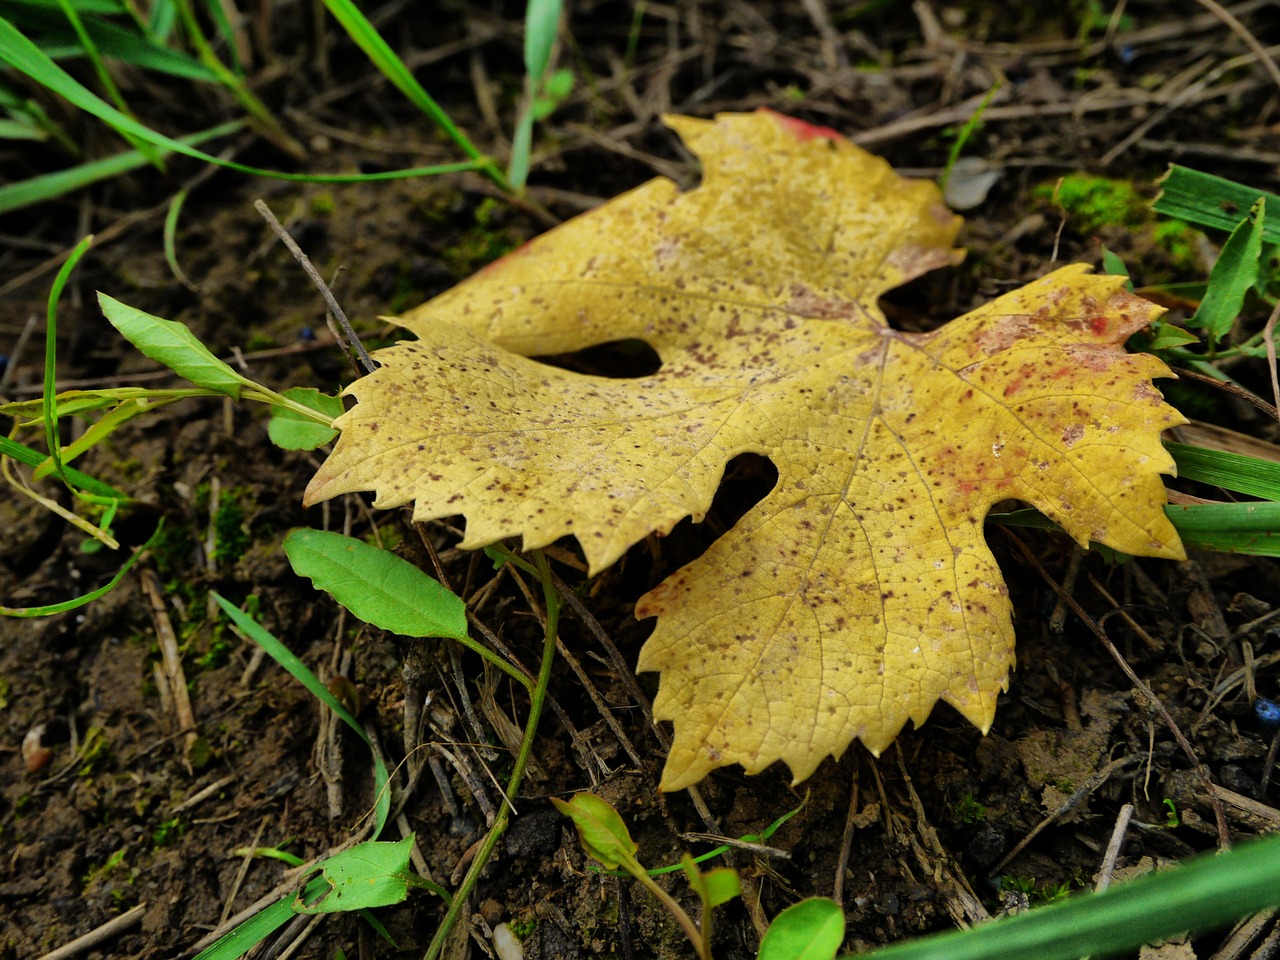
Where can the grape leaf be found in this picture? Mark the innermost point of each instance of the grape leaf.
(860, 591)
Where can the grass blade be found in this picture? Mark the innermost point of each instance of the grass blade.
(1209, 891)
(1211, 201)
(34, 458)
(14, 196)
(393, 68)
(1230, 471)
(80, 601)
(50, 406)
(1252, 528)
(23, 55)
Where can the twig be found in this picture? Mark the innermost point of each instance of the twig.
(1113, 848)
(97, 935)
(243, 871)
(1268, 338)
(1243, 33)
(330, 301)
(1082, 791)
(173, 673)
(846, 842)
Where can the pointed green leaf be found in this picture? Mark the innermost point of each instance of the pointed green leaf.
(601, 831)
(291, 430)
(376, 585)
(1232, 276)
(172, 344)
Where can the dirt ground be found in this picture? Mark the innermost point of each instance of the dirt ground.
(126, 819)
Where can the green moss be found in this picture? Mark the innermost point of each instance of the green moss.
(1103, 204)
(168, 832)
(171, 550)
(523, 928)
(4, 692)
(94, 753)
(95, 872)
(480, 245)
(230, 531)
(1097, 202)
(322, 204)
(969, 811)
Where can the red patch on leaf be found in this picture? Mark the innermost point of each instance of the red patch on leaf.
(802, 130)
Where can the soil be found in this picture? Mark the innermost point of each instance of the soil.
(107, 804)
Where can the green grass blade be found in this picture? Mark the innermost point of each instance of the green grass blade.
(1252, 528)
(50, 406)
(394, 69)
(51, 609)
(257, 928)
(34, 458)
(21, 54)
(1232, 276)
(21, 130)
(1212, 201)
(105, 7)
(172, 344)
(90, 50)
(14, 196)
(1209, 891)
(125, 411)
(1230, 471)
(282, 655)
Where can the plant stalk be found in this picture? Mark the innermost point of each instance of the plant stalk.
(537, 701)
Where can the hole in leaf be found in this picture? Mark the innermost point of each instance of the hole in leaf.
(617, 360)
(748, 479)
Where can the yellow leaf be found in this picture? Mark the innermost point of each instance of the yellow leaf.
(860, 591)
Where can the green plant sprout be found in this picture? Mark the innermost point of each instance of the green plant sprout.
(605, 838)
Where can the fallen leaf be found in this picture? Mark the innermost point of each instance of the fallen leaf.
(860, 591)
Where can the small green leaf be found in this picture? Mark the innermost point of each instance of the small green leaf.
(291, 430)
(172, 344)
(721, 885)
(376, 585)
(601, 831)
(1166, 335)
(1232, 276)
(809, 930)
(1112, 264)
(370, 874)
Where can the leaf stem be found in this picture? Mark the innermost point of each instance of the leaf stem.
(537, 701)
